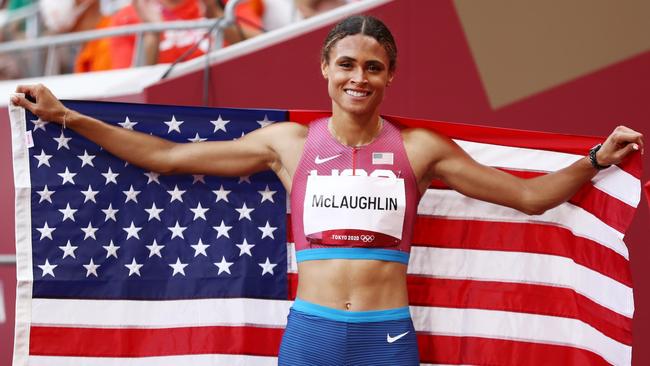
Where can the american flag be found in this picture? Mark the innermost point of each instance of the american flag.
(121, 266)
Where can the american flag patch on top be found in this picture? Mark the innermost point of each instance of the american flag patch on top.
(382, 158)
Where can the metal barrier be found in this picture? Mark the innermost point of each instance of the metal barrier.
(50, 43)
(7, 259)
(28, 14)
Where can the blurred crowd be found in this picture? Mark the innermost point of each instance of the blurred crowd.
(67, 16)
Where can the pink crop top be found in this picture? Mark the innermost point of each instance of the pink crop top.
(353, 202)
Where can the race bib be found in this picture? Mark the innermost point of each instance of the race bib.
(354, 210)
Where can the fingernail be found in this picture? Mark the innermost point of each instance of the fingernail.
(635, 147)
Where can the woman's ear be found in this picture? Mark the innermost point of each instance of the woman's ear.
(391, 74)
(323, 69)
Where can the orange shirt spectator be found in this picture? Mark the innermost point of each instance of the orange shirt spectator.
(95, 55)
(173, 43)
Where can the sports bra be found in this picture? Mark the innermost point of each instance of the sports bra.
(353, 202)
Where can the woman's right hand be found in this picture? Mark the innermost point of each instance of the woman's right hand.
(46, 106)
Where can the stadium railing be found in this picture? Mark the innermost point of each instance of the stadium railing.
(50, 43)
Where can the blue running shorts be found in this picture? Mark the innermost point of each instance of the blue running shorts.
(318, 335)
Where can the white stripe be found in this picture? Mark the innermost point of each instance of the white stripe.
(160, 314)
(451, 204)
(23, 220)
(292, 262)
(614, 181)
(194, 360)
(618, 183)
(521, 327)
(517, 267)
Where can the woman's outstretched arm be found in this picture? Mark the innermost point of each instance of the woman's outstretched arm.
(449, 162)
(249, 154)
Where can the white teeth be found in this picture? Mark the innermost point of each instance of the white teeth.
(356, 93)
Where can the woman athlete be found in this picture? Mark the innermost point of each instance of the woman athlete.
(355, 181)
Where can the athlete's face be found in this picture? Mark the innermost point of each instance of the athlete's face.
(357, 74)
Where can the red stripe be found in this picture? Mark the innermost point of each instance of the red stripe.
(292, 284)
(91, 342)
(485, 351)
(80, 342)
(521, 237)
(516, 237)
(304, 117)
(514, 297)
(520, 298)
(572, 144)
(613, 212)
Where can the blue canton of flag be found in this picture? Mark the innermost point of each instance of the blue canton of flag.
(105, 229)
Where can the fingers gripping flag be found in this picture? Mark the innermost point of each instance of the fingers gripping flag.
(121, 266)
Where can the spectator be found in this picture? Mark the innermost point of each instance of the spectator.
(62, 16)
(309, 8)
(170, 45)
(9, 68)
(249, 18)
(16, 4)
(12, 66)
(14, 29)
(278, 13)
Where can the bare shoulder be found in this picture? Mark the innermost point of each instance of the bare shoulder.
(410, 134)
(425, 148)
(276, 136)
(286, 140)
(425, 144)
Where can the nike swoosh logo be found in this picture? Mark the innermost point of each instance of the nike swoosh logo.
(324, 160)
(390, 339)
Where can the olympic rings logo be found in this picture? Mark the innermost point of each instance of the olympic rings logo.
(367, 238)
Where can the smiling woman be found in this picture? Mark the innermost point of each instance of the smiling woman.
(358, 61)
(355, 181)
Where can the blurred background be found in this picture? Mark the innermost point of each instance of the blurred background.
(52, 37)
(577, 67)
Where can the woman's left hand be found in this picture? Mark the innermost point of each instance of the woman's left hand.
(619, 144)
